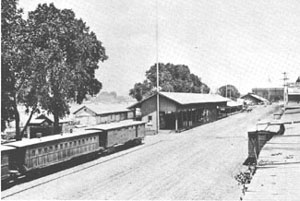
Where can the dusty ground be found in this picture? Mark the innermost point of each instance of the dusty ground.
(197, 164)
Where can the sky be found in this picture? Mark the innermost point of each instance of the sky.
(246, 43)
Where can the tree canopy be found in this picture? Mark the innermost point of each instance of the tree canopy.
(172, 78)
(53, 61)
(229, 91)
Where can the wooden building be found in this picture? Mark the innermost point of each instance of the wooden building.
(178, 111)
(95, 114)
(253, 99)
(44, 124)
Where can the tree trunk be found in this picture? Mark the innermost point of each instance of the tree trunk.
(17, 120)
(56, 123)
(26, 125)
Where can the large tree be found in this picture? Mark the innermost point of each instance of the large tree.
(14, 58)
(172, 78)
(229, 91)
(71, 55)
(47, 61)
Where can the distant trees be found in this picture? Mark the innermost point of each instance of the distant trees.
(51, 61)
(229, 91)
(172, 78)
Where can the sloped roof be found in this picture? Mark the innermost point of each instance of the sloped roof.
(256, 97)
(104, 108)
(188, 98)
(37, 121)
(191, 98)
(232, 103)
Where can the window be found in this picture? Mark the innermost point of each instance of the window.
(75, 143)
(61, 146)
(149, 118)
(66, 144)
(56, 147)
(33, 152)
(40, 151)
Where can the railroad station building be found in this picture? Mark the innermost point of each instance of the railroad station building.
(179, 111)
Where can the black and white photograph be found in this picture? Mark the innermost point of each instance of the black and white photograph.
(150, 100)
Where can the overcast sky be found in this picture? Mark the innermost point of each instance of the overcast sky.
(247, 43)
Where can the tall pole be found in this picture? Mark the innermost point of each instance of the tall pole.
(157, 72)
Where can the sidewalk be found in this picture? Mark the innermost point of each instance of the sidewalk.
(277, 175)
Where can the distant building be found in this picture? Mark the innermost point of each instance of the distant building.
(272, 94)
(179, 111)
(94, 114)
(43, 124)
(253, 99)
(293, 93)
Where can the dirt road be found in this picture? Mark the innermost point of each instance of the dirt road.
(198, 164)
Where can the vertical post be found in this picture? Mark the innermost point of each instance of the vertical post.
(176, 121)
(157, 73)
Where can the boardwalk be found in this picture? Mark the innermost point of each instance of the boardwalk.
(278, 173)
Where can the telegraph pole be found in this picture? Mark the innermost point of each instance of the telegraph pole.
(157, 72)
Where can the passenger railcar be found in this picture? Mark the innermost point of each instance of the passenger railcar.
(32, 154)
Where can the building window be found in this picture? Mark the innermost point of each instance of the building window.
(149, 118)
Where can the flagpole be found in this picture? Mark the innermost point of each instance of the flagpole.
(157, 72)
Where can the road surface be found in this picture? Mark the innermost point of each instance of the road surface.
(198, 164)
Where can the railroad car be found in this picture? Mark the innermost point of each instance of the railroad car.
(31, 155)
(6, 162)
(37, 153)
(123, 132)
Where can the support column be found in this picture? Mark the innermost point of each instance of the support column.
(176, 121)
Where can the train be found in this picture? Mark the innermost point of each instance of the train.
(27, 157)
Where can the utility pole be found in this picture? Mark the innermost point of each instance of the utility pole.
(157, 72)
